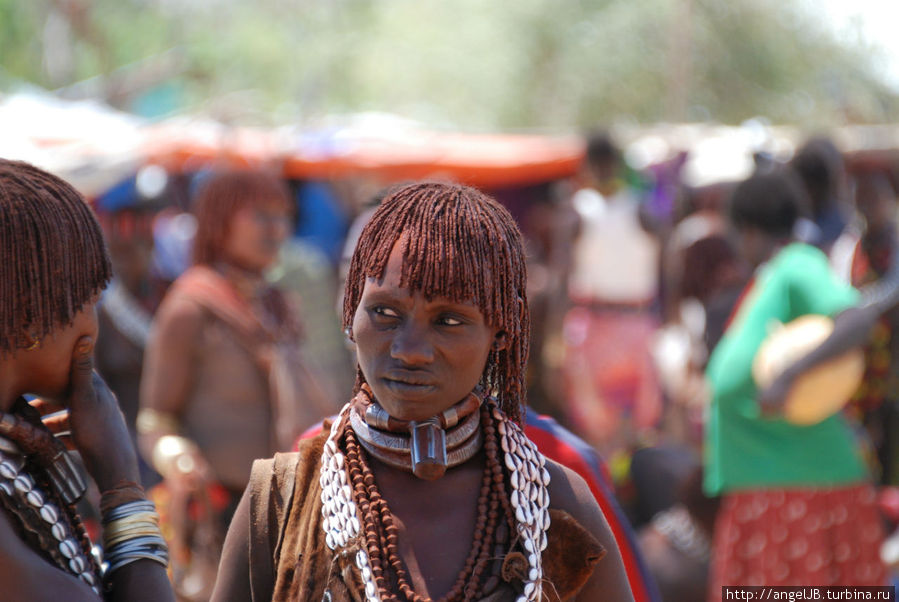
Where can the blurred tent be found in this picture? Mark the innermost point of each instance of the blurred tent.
(385, 148)
(406, 152)
(96, 147)
(87, 143)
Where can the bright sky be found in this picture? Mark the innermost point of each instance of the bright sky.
(877, 21)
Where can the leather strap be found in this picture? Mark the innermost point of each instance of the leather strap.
(271, 491)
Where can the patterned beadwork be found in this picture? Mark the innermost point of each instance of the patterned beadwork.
(21, 488)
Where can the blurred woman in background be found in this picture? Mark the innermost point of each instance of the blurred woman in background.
(223, 380)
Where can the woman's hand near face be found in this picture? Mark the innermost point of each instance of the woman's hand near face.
(97, 426)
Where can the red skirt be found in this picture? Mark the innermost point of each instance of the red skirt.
(809, 536)
(613, 397)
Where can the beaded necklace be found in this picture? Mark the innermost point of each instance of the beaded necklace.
(356, 517)
(39, 486)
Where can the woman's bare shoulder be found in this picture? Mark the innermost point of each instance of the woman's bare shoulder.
(568, 491)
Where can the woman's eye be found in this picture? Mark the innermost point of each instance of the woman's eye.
(385, 311)
(450, 321)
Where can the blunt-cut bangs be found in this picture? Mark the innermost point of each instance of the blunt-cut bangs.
(53, 259)
(459, 244)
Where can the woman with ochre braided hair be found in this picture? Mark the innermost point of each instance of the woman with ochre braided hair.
(53, 265)
(425, 486)
(223, 380)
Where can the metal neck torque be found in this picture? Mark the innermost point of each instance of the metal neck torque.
(428, 449)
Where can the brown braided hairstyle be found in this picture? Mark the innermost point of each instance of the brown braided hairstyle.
(460, 244)
(52, 256)
(222, 195)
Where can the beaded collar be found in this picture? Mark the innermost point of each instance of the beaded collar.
(350, 500)
(41, 494)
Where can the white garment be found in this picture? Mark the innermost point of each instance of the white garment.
(615, 259)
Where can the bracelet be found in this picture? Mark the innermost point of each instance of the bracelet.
(173, 454)
(128, 509)
(130, 533)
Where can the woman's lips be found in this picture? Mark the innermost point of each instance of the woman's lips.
(407, 386)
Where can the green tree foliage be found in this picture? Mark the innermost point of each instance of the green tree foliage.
(529, 64)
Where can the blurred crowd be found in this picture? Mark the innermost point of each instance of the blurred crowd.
(220, 334)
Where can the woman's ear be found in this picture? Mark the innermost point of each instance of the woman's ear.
(500, 341)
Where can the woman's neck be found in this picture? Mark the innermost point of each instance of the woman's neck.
(248, 283)
(774, 246)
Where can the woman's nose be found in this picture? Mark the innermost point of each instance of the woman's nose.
(411, 345)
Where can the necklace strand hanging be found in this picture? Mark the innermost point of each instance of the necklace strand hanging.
(529, 504)
(43, 504)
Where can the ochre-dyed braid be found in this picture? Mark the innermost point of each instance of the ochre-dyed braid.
(460, 244)
(52, 256)
(381, 533)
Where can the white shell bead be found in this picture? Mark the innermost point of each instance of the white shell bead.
(49, 514)
(529, 545)
(510, 464)
(22, 484)
(370, 589)
(519, 463)
(529, 590)
(329, 540)
(8, 470)
(520, 516)
(361, 560)
(34, 498)
(354, 526)
(77, 564)
(58, 531)
(68, 548)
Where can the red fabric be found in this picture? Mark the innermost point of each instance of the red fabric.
(565, 455)
(612, 394)
(778, 537)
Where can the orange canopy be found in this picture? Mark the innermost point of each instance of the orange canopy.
(485, 160)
